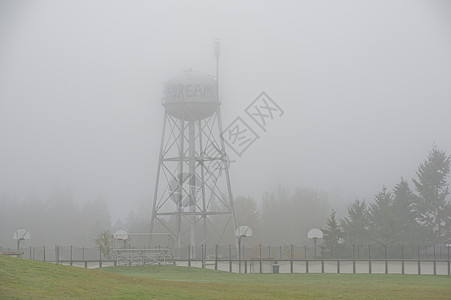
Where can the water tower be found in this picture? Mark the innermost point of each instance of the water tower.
(193, 197)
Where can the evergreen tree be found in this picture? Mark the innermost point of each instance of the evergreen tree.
(406, 229)
(332, 234)
(382, 219)
(355, 225)
(431, 206)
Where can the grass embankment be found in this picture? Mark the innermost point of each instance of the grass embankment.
(32, 279)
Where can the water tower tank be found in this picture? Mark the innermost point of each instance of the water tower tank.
(191, 96)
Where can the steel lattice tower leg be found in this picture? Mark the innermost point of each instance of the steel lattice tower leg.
(193, 191)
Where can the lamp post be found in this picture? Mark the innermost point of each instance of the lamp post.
(242, 232)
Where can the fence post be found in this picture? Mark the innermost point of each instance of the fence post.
(57, 255)
(230, 258)
(353, 258)
(291, 258)
(202, 256)
(402, 259)
(30, 252)
(449, 263)
(386, 262)
(435, 264)
(202, 252)
(419, 264)
(281, 255)
(261, 258)
(100, 257)
(369, 258)
(322, 258)
(245, 265)
(71, 255)
(189, 255)
(44, 253)
(216, 257)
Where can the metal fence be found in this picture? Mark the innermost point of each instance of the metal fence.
(88, 257)
(284, 252)
(402, 259)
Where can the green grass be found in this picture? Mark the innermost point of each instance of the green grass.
(27, 279)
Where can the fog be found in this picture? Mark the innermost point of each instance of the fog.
(364, 86)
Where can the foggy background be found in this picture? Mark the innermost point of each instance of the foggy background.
(365, 87)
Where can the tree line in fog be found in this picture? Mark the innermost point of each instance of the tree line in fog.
(54, 220)
(410, 214)
(407, 215)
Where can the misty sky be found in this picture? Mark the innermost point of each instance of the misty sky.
(365, 86)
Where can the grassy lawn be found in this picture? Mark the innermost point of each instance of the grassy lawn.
(32, 279)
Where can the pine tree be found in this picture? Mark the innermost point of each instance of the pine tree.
(406, 229)
(355, 225)
(430, 204)
(332, 234)
(381, 218)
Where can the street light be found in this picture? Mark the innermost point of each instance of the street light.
(242, 232)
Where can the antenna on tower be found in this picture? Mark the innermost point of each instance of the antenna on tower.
(217, 51)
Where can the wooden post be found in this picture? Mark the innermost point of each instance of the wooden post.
(322, 259)
(369, 258)
(44, 253)
(57, 255)
(338, 266)
(291, 258)
(353, 259)
(71, 255)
